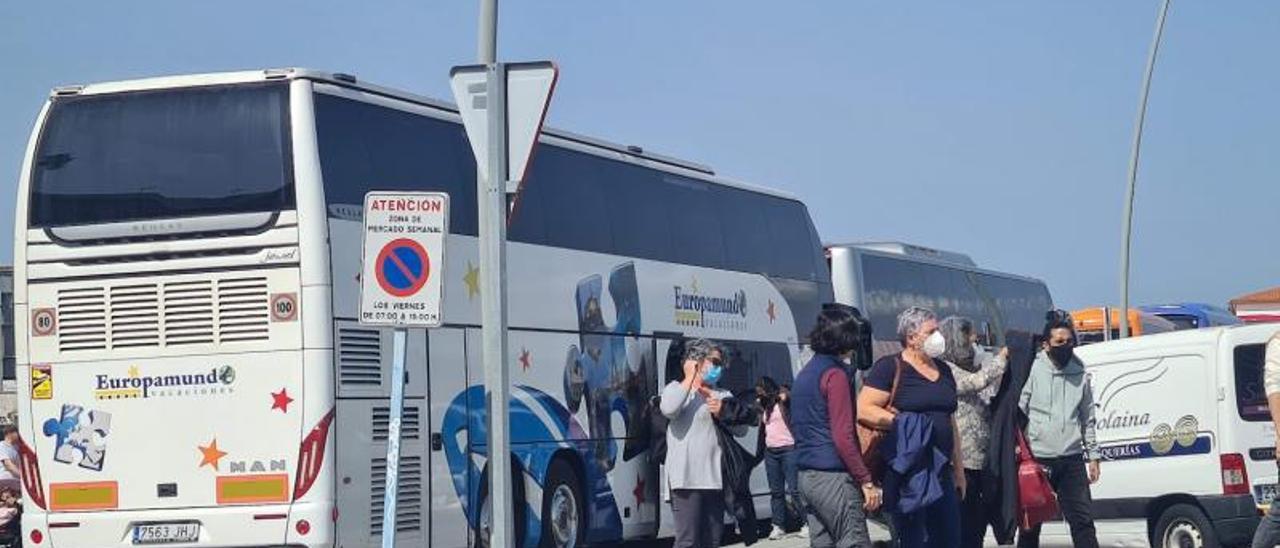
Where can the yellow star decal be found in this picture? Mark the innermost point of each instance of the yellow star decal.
(472, 279)
(133, 372)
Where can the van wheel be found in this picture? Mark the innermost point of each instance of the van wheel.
(485, 519)
(1184, 526)
(564, 517)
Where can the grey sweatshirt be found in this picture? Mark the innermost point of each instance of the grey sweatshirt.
(1060, 411)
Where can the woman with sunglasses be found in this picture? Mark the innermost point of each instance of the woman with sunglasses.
(693, 465)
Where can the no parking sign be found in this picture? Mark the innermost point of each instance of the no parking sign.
(403, 258)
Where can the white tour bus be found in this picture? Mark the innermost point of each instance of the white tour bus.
(1187, 443)
(883, 279)
(191, 371)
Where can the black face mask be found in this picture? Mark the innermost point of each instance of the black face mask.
(1061, 355)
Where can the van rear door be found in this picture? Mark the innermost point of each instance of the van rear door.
(1253, 433)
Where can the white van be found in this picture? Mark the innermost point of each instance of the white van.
(1187, 442)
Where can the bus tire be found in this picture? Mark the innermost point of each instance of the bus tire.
(1183, 525)
(517, 491)
(564, 518)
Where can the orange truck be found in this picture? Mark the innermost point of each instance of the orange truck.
(1102, 323)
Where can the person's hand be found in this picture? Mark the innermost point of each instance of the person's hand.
(962, 484)
(1004, 353)
(872, 497)
(691, 373)
(1095, 471)
(713, 405)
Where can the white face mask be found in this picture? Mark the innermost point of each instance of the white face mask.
(935, 345)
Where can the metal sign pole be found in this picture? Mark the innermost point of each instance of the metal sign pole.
(393, 440)
(492, 201)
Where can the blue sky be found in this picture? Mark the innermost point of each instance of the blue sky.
(1000, 129)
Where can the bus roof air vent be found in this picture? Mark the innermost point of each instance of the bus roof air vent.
(277, 73)
(919, 251)
(63, 91)
(344, 77)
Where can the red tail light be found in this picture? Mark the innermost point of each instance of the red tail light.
(1235, 479)
(31, 480)
(311, 456)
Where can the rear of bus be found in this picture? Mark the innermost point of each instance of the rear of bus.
(165, 391)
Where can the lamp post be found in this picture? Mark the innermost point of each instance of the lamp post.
(1127, 231)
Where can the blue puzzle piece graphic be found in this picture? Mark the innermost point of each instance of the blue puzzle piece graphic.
(79, 436)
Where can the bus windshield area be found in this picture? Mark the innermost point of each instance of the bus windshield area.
(162, 155)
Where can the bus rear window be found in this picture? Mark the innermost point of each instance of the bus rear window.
(1251, 398)
(162, 155)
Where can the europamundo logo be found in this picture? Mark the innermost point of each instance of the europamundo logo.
(218, 380)
(692, 309)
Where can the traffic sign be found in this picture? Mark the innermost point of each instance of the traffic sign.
(43, 322)
(403, 255)
(284, 307)
(403, 267)
(528, 92)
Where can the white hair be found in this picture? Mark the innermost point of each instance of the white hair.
(910, 320)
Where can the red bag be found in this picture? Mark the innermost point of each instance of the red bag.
(1037, 503)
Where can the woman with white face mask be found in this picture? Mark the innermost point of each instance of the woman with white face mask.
(912, 396)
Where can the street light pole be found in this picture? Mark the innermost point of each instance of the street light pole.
(1127, 233)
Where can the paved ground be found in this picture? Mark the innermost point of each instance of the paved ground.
(1112, 535)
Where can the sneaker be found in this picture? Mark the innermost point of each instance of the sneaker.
(777, 533)
(803, 532)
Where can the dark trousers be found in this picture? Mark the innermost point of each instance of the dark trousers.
(699, 517)
(973, 511)
(1070, 481)
(780, 467)
(936, 525)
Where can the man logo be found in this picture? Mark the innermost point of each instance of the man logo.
(244, 466)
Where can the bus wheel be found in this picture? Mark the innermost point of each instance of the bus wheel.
(1184, 526)
(563, 513)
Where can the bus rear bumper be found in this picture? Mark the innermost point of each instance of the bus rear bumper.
(308, 524)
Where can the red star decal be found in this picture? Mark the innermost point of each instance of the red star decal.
(772, 311)
(526, 360)
(639, 491)
(281, 400)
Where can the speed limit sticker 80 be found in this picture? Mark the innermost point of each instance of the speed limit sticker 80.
(43, 322)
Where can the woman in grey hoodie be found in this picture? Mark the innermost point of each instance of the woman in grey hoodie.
(1058, 402)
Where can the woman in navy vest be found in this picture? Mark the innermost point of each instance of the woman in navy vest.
(834, 483)
(924, 478)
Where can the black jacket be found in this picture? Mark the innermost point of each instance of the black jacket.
(737, 463)
(1000, 477)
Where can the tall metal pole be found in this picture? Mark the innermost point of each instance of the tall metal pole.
(488, 31)
(492, 202)
(1133, 171)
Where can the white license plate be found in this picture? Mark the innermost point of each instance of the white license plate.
(166, 533)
